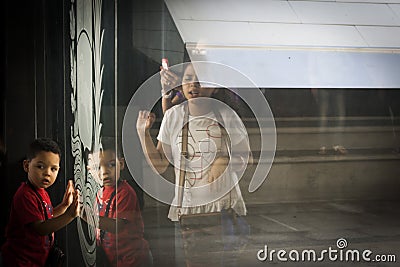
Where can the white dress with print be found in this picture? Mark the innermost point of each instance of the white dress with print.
(205, 142)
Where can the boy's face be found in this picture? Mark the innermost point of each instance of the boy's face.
(109, 167)
(43, 169)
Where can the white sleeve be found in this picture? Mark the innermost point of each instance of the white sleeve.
(235, 127)
(171, 124)
(164, 136)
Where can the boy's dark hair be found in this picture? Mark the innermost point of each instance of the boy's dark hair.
(42, 144)
(109, 143)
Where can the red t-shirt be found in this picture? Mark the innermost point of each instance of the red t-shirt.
(25, 247)
(128, 247)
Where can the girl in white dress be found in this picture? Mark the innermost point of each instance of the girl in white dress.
(218, 148)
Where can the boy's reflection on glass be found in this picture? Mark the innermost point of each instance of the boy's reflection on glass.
(120, 240)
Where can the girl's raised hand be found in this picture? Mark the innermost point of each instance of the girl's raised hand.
(144, 121)
(169, 80)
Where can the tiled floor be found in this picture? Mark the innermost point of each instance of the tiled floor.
(317, 226)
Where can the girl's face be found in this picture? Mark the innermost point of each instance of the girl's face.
(42, 169)
(191, 86)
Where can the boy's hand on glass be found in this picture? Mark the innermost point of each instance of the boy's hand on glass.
(68, 195)
(74, 209)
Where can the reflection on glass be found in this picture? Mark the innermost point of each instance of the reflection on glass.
(119, 233)
(86, 100)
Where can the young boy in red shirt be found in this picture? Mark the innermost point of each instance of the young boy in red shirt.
(120, 233)
(29, 234)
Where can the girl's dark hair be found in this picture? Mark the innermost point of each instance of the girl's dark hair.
(42, 144)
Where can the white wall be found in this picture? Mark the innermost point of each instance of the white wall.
(288, 23)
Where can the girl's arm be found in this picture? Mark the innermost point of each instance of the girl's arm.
(170, 101)
(169, 82)
(155, 156)
(237, 161)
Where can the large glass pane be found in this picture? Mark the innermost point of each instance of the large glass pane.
(93, 132)
(320, 155)
(336, 147)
